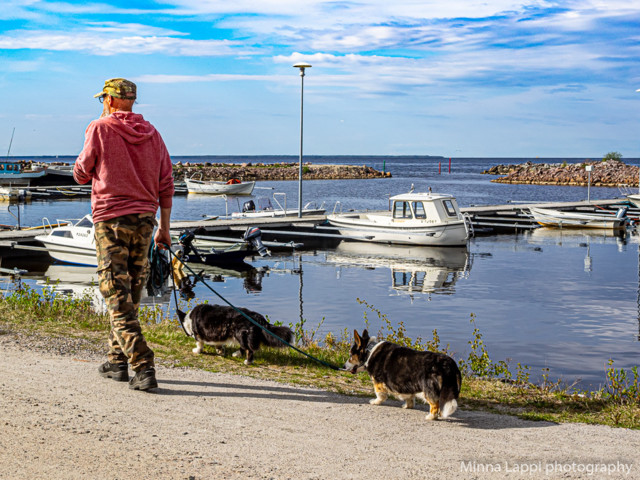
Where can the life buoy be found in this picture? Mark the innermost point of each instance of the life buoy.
(233, 181)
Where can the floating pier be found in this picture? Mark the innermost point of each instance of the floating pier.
(312, 231)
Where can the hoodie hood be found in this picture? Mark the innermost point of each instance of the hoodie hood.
(132, 127)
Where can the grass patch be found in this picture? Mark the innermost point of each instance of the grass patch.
(487, 385)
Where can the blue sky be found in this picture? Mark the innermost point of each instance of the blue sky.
(421, 77)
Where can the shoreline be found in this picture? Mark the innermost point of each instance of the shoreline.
(273, 171)
(63, 420)
(610, 173)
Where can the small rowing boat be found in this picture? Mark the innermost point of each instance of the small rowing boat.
(558, 218)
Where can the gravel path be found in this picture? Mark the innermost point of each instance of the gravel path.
(60, 420)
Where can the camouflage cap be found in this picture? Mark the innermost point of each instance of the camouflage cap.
(119, 88)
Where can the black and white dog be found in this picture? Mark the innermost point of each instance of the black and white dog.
(407, 373)
(220, 325)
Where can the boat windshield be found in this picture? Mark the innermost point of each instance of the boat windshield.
(418, 210)
(450, 208)
(402, 210)
(85, 222)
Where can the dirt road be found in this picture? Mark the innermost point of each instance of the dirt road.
(60, 420)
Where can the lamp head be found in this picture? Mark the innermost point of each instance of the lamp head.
(302, 66)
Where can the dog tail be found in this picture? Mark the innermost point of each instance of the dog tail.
(449, 396)
(449, 408)
(284, 333)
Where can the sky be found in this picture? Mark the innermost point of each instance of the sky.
(457, 78)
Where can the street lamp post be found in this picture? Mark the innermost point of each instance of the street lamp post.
(302, 67)
(638, 173)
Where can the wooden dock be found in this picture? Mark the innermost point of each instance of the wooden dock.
(515, 216)
(313, 232)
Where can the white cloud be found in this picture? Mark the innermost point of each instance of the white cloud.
(102, 42)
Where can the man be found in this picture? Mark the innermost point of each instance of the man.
(130, 169)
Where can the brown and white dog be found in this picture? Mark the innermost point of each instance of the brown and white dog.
(220, 325)
(407, 373)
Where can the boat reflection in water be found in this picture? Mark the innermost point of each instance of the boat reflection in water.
(80, 282)
(251, 276)
(576, 236)
(414, 269)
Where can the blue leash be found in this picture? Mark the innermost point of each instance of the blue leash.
(181, 314)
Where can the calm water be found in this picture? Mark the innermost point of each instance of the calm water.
(547, 299)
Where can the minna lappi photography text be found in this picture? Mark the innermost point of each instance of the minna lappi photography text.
(550, 468)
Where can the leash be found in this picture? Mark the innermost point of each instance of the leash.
(181, 314)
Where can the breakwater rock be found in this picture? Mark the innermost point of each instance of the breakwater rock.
(610, 173)
(274, 171)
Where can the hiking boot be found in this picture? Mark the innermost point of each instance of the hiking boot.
(144, 380)
(117, 371)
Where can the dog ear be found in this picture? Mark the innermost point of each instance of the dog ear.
(365, 336)
(357, 337)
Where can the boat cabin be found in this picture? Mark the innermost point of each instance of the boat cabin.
(424, 206)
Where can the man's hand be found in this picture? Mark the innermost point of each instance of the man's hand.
(162, 238)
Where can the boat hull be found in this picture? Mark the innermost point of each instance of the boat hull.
(557, 218)
(219, 188)
(278, 213)
(447, 234)
(73, 254)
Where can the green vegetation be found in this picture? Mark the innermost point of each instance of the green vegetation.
(612, 156)
(489, 385)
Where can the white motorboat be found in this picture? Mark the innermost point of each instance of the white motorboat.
(71, 243)
(263, 208)
(634, 199)
(414, 219)
(549, 217)
(212, 187)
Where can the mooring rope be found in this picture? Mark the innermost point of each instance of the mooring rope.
(199, 277)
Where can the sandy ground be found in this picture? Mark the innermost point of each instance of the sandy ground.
(60, 420)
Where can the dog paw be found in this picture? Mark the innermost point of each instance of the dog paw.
(408, 405)
(196, 350)
(431, 416)
(237, 353)
(376, 401)
(247, 362)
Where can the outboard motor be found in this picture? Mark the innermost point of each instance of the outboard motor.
(186, 239)
(622, 213)
(248, 206)
(254, 236)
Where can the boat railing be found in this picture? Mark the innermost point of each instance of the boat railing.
(196, 177)
(47, 227)
(626, 189)
(335, 207)
(468, 225)
(284, 200)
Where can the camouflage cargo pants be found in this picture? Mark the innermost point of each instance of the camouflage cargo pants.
(122, 247)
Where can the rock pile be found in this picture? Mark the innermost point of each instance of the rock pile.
(273, 171)
(610, 173)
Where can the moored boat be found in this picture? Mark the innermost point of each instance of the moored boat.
(71, 243)
(14, 174)
(212, 187)
(549, 217)
(414, 219)
(263, 208)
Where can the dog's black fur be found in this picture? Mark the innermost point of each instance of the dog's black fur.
(407, 373)
(221, 325)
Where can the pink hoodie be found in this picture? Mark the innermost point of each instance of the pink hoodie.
(129, 164)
